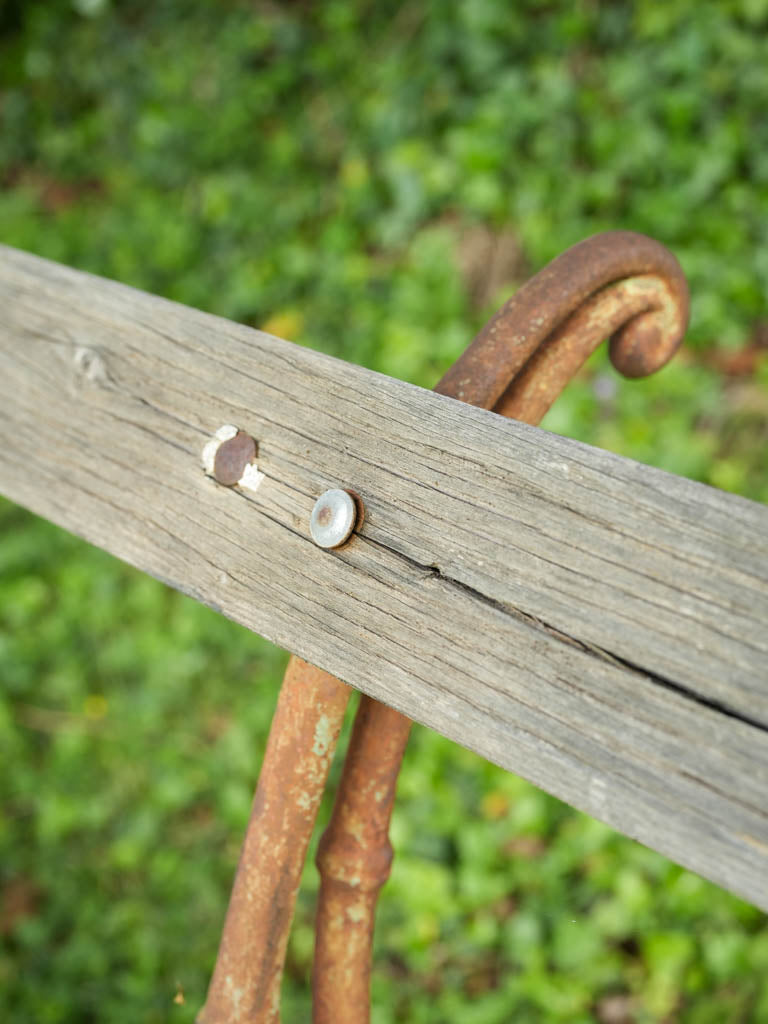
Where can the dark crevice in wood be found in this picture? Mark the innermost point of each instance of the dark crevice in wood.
(534, 622)
(678, 555)
(684, 691)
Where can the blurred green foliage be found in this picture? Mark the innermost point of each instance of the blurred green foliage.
(370, 181)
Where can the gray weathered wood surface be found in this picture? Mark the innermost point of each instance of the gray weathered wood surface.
(593, 624)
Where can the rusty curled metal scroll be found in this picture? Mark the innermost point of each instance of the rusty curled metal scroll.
(618, 284)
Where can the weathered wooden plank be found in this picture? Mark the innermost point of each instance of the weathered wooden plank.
(596, 625)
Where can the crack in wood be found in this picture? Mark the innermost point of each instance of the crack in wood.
(434, 571)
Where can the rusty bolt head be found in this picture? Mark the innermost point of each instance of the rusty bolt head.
(333, 518)
(229, 457)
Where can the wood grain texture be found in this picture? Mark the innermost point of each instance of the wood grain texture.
(593, 624)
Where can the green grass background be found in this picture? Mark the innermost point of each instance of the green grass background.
(370, 180)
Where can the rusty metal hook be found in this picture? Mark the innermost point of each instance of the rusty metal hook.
(620, 284)
(646, 320)
(638, 346)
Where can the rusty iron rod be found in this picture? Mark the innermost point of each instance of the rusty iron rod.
(245, 986)
(619, 284)
(354, 858)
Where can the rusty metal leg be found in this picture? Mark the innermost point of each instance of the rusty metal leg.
(619, 284)
(354, 858)
(245, 987)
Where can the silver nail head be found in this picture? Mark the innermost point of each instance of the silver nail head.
(333, 518)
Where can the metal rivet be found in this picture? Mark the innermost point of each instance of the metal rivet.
(333, 518)
(230, 456)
